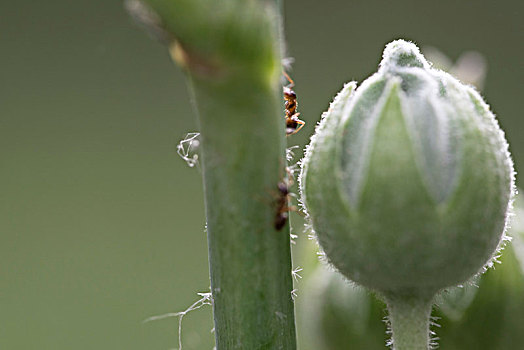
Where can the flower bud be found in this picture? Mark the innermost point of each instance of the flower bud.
(338, 315)
(407, 180)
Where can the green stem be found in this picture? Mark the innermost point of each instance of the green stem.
(231, 50)
(249, 260)
(409, 315)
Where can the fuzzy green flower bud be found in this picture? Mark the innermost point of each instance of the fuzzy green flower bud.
(336, 315)
(408, 179)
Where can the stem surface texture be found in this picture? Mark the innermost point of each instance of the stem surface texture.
(231, 52)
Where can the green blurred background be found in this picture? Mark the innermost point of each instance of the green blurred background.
(101, 223)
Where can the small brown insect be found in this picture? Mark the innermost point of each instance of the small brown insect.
(293, 124)
(282, 213)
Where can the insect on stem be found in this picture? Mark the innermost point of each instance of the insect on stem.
(293, 124)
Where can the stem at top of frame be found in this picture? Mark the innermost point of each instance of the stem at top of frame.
(231, 51)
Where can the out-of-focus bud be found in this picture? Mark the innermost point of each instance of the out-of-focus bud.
(470, 68)
(498, 305)
(407, 180)
(337, 315)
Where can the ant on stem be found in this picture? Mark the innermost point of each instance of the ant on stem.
(293, 124)
(282, 202)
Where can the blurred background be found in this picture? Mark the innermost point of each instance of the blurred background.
(101, 223)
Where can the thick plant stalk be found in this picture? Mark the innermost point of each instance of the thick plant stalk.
(231, 51)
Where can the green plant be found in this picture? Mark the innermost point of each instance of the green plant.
(408, 182)
(485, 313)
(231, 52)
